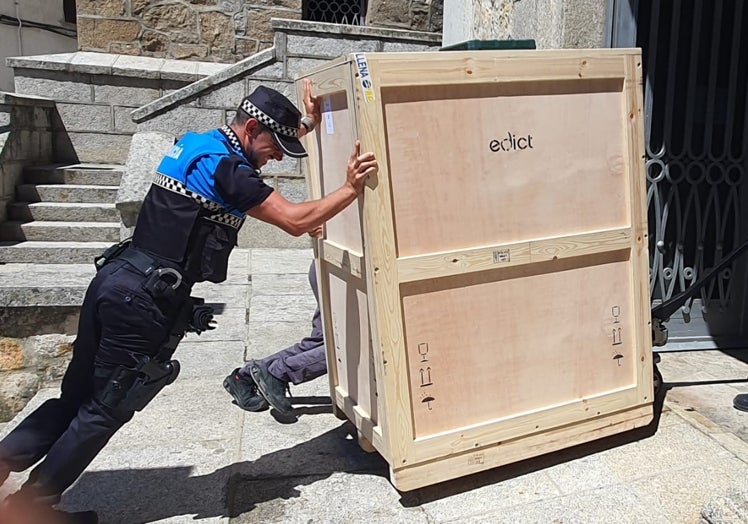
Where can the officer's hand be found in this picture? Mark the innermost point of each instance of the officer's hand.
(360, 167)
(311, 103)
(316, 232)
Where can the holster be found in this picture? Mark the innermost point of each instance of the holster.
(131, 389)
(111, 253)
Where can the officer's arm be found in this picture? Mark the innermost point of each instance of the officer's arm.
(297, 219)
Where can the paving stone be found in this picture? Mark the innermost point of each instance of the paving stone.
(231, 325)
(276, 261)
(281, 308)
(200, 359)
(299, 500)
(615, 504)
(680, 494)
(266, 338)
(641, 459)
(292, 284)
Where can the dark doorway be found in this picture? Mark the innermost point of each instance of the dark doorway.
(695, 61)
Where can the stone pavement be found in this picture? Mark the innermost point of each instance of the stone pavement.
(193, 456)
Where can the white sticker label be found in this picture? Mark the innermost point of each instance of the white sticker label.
(365, 76)
(327, 111)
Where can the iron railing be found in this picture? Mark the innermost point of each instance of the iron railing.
(346, 12)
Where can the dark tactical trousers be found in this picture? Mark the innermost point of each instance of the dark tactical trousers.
(305, 360)
(118, 320)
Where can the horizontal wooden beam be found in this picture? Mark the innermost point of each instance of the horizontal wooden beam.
(342, 258)
(472, 69)
(460, 262)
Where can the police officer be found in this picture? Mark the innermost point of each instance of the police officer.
(133, 314)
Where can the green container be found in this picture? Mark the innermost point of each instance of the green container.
(476, 45)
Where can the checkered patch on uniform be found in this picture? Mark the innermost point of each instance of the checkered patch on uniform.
(233, 139)
(220, 213)
(228, 219)
(264, 119)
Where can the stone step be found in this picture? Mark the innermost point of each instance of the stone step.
(35, 252)
(84, 174)
(61, 231)
(63, 212)
(65, 193)
(44, 285)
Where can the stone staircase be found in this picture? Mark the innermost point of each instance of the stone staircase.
(62, 214)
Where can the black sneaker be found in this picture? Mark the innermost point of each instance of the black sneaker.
(741, 402)
(272, 388)
(244, 391)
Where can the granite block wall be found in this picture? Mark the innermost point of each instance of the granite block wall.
(26, 130)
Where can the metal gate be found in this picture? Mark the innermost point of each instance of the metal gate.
(696, 75)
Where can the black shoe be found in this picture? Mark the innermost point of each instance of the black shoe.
(741, 402)
(244, 391)
(272, 388)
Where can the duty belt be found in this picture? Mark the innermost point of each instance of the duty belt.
(161, 281)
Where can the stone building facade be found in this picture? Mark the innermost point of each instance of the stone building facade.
(219, 30)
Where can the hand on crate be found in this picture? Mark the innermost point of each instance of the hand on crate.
(311, 108)
(360, 167)
(317, 232)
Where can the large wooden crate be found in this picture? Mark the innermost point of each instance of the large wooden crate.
(486, 300)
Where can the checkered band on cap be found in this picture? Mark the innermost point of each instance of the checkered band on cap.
(220, 213)
(264, 119)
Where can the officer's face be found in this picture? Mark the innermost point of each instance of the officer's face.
(262, 148)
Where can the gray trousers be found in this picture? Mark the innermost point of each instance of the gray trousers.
(305, 360)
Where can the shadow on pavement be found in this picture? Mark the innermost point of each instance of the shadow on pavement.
(134, 496)
(147, 495)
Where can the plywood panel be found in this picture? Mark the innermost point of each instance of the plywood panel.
(482, 165)
(350, 340)
(504, 343)
(337, 138)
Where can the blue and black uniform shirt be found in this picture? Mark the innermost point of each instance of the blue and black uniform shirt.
(195, 207)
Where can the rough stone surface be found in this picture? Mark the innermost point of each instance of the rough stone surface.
(417, 15)
(184, 119)
(100, 147)
(185, 51)
(125, 48)
(45, 347)
(64, 89)
(125, 92)
(112, 8)
(123, 120)
(86, 117)
(169, 18)
(258, 22)
(216, 30)
(16, 389)
(100, 33)
(146, 151)
(227, 96)
(329, 47)
(11, 354)
(552, 24)
(731, 508)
